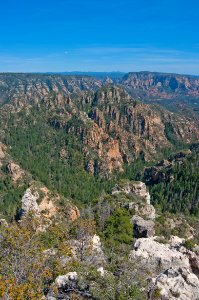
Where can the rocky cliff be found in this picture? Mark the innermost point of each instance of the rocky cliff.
(161, 85)
(112, 128)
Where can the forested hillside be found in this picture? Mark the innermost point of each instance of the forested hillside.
(98, 193)
(174, 183)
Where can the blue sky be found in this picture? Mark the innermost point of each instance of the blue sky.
(105, 35)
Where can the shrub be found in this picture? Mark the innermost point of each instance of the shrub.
(118, 227)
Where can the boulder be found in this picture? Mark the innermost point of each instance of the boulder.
(66, 286)
(68, 279)
(142, 228)
(175, 284)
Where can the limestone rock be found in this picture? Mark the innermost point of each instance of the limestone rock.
(65, 286)
(101, 271)
(63, 280)
(133, 187)
(194, 261)
(142, 228)
(175, 284)
(176, 242)
(29, 202)
(158, 256)
(146, 210)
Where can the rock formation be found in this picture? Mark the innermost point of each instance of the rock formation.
(152, 85)
(115, 128)
(137, 188)
(63, 280)
(157, 256)
(15, 171)
(175, 283)
(29, 202)
(40, 202)
(142, 228)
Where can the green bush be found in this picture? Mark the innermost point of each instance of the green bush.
(189, 244)
(118, 227)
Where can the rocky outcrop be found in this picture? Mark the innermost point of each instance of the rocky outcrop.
(74, 213)
(160, 85)
(105, 119)
(147, 211)
(142, 228)
(3, 223)
(158, 256)
(40, 202)
(69, 286)
(175, 283)
(15, 171)
(29, 203)
(63, 280)
(139, 198)
(137, 188)
(162, 171)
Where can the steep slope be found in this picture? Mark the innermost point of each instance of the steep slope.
(20, 193)
(161, 85)
(174, 182)
(33, 87)
(64, 138)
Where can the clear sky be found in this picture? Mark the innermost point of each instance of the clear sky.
(99, 35)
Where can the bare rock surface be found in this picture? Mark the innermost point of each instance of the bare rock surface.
(62, 280)
(158, 256)
(29, 202)
(176, 284)
(137, 188)
(142, 228)
(15, 171)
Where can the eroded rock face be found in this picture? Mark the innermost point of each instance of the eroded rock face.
(133, 187)
(117, 129)
(158, 256)
(161, 172)
(74, 213)
(164, 86)
(41, 203)
(174, 284)
(147, 211)
(29, 202)
(15, 171)
(142, 228)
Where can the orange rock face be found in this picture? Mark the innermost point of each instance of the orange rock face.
(74, 213)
